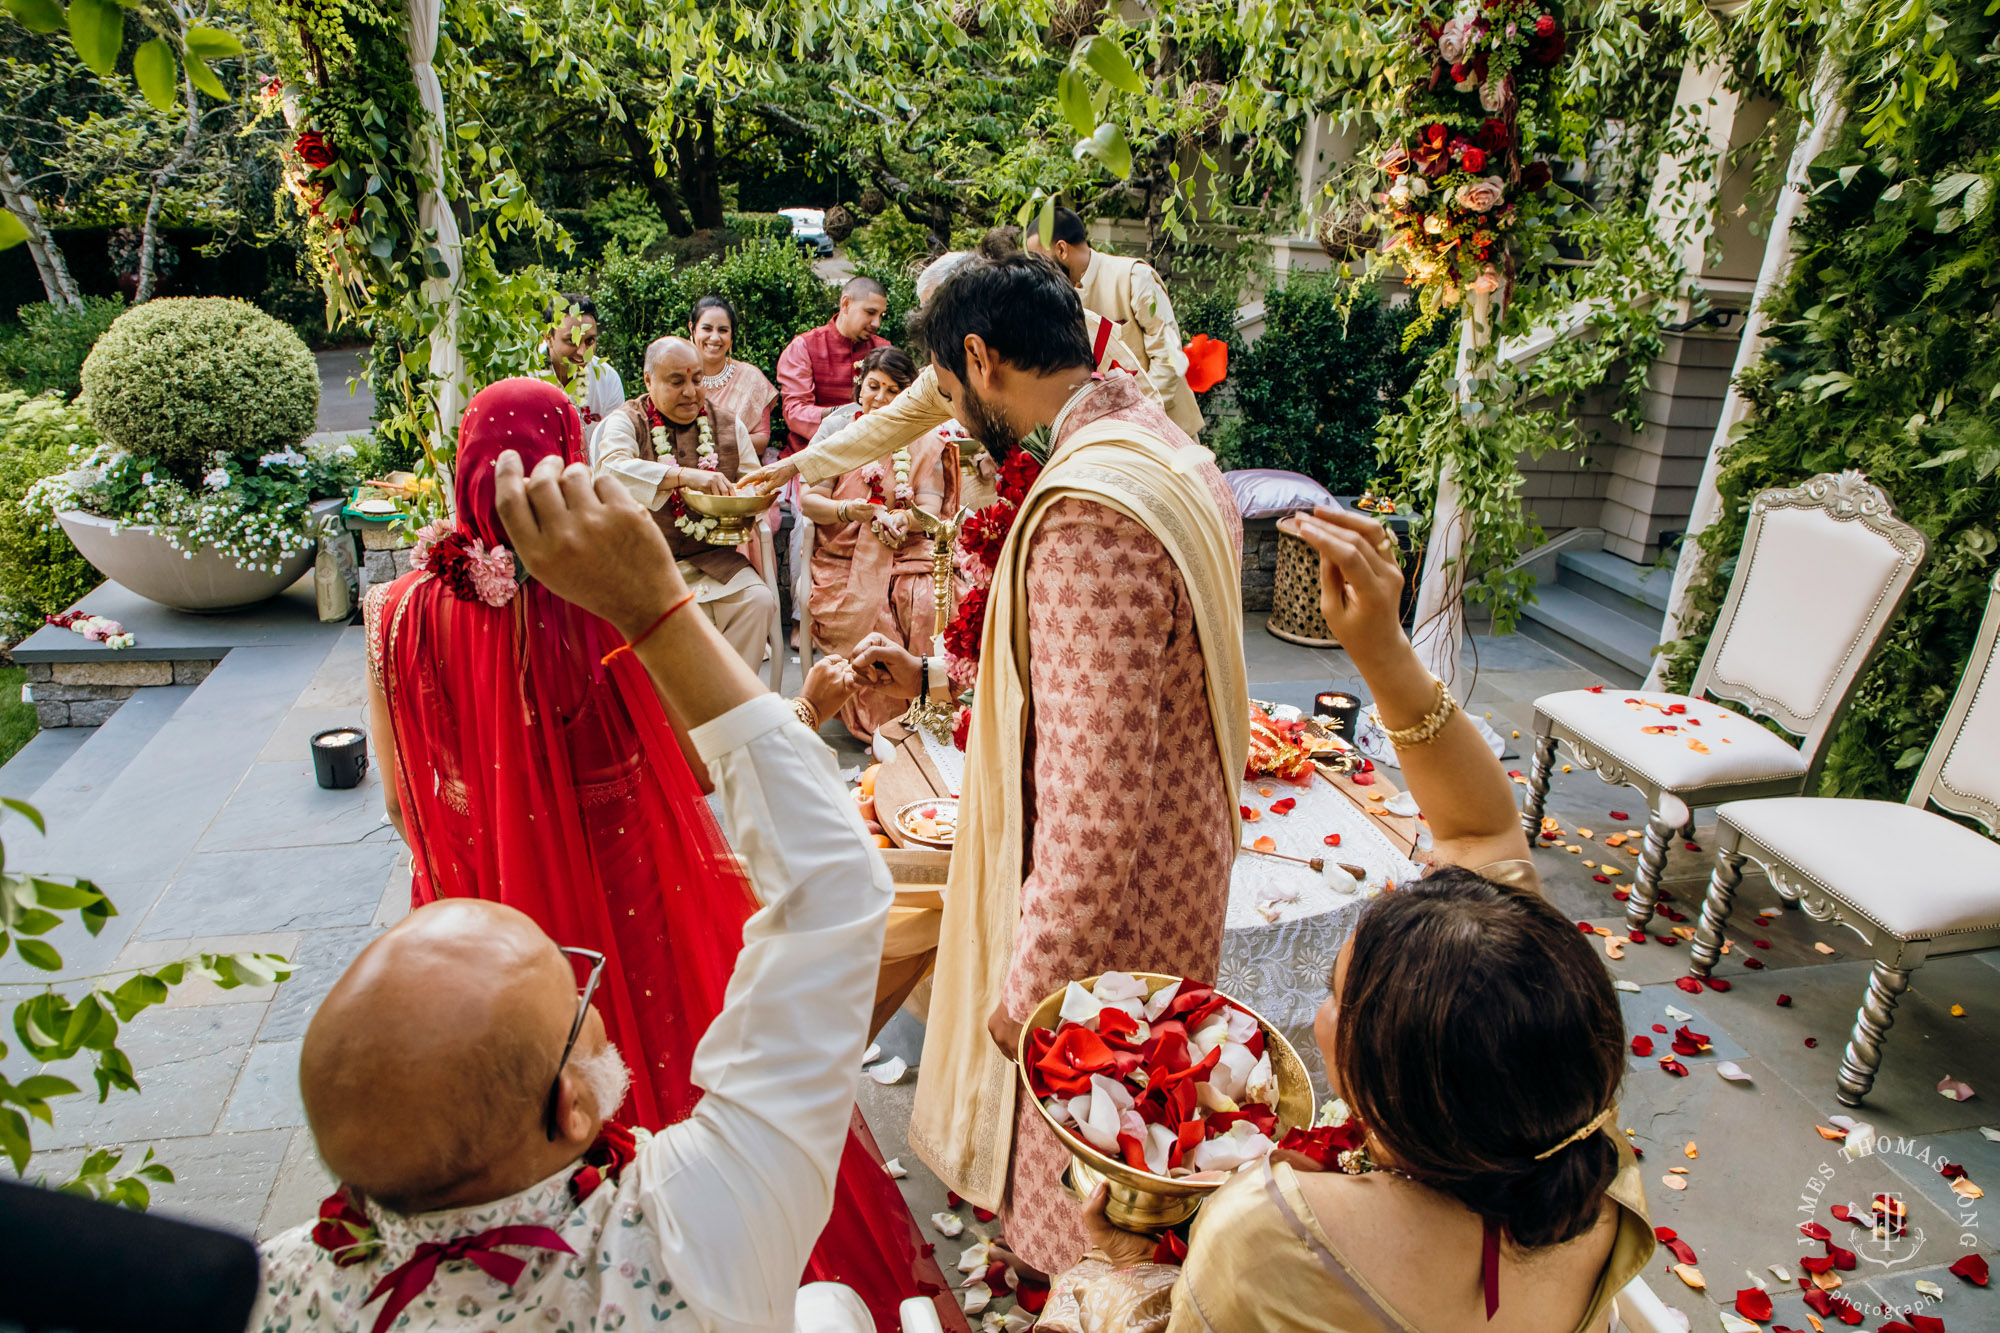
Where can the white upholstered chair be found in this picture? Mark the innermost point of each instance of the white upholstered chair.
(1823, 570)
(1912, 884)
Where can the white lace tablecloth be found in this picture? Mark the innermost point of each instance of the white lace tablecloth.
(1287, 922)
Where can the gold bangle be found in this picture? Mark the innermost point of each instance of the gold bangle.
(1432, 724)
(803, 709)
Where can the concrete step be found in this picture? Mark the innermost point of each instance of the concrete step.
(1640, 591)
(1590, 633)
(68, 793)
(36, 762)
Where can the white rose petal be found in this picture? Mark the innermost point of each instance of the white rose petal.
(1402, 803)
(1782, 1273)
(1732, 1324)
(1262, 1085)
(948, 1225)
(890, 1070)
(1678, 1016)
(1117, 987)
(1622, 984)
(1209, 1099)
(1058, 1110)
(1161, 998)
(1080, 1006)
(1732, 1071)
(1213, 1031)
(871, 1055)
(1228, 1151)
(1990, 1134)
(1078, 1109)
(976, 1259)
(1159, 1143)
(975, 1298)
(1242, 1027)
(1232, 1070)
(1930, 1289)
(894, 1166)
(1099, 1128)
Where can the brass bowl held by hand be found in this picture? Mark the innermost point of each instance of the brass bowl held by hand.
(1140, 1200)
(735, 515)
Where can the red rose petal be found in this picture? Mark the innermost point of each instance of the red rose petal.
(1642, 1046)
(984, 1215)
(1284, 807)
(1923, 1323)
(1593, 689)
(1620, 895)
(1669, 940)
(951, 1199)
(1784, 1001)
(1972, 1268)
(1674, 1067)
(1811, 1042)
(1602, 879)
(1717, 983)
(1681, 1250)
(1754, 964)
(1951, 1170)
(1637, 937)
(1753, 1303)
(1846, 1311)
(1586, 928)
(1032, 1297)
(1362, 779)
(1689, 984)
(1692, 846)
(1842, 1213)
(1819, 1302)
(1620, 816)
(1817, 1263)
(1842, 1259)
(1762, 944)
(1814, 1231)
(1332, 840)
(1171, 1250)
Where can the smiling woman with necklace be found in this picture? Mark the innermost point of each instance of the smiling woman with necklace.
(735, 387)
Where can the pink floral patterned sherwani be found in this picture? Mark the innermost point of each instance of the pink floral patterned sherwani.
(1129, 830)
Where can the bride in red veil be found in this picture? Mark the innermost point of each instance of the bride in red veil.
(523, 768)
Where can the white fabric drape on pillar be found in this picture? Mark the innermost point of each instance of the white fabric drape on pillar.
(434, 214)
(1824, 115)
(1439, 624)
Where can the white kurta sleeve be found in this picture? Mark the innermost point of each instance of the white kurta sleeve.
(921, 407)
(615, 452)
(1154, 315)
(740, 1191)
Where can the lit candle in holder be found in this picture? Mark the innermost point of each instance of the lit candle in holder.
(340, 757)
(1340, 710)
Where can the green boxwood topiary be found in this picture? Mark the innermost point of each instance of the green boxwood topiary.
(180, 379)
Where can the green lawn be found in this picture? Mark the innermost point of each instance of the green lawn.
(17, 720)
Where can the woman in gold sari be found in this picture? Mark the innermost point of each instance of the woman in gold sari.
(871, 566)
(1476, 1037)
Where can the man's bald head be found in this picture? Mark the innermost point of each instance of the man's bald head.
(426, 1070)
(863, 303)
(673, 379)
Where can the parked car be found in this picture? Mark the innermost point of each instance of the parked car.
(809, 231)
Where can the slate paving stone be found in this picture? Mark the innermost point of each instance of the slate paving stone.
(302, 1182)
(1965, 1308)
(281, 804)
(321, 957)
(287, 888)
(291, 740)
(267, 1091)
(186, 1062)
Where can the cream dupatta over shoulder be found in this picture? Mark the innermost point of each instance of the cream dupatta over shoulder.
(963, 1123)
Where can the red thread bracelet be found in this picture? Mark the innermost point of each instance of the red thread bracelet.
(622, 648)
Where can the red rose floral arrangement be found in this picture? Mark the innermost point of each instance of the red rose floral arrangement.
(1458, 191)
(1174, 1084)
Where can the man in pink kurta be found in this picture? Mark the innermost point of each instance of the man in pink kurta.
(1128, 828)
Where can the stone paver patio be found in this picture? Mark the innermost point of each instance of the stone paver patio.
(195, 809)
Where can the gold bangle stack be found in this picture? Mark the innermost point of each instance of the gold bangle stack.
(802, 708)
(1432, 724)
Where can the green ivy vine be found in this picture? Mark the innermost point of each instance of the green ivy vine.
(1885, 357)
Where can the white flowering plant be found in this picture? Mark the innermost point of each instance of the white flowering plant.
(256, 511)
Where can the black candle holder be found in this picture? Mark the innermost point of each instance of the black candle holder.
(1340, 710)
(340, 757)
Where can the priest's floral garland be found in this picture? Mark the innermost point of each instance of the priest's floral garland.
(706, 458)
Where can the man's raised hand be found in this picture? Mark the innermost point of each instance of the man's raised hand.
(588, 543)
(770, 477)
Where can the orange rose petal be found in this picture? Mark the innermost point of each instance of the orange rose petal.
(1266, 844)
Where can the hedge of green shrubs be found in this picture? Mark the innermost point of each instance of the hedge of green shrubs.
(46, 349)
(40, 572)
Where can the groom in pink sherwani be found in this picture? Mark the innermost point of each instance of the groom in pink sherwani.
(1100, 817)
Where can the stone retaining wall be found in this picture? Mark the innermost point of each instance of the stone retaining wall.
(1260, 563)
(86, 694)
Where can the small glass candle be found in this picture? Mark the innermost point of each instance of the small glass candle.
(1339, 710)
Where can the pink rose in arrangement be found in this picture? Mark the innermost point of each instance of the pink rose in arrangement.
(1456, 40)
(1495, 93)
(1482, 196)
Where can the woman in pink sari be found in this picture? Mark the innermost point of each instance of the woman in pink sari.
(871, 565)
(526, 764)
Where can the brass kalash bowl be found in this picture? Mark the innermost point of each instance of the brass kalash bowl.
(1140, 1200)
(735, 515)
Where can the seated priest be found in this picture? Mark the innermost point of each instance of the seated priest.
(671, 438)
(458, 1081)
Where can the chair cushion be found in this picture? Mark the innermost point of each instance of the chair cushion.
(1913, 873)
(1613, 723)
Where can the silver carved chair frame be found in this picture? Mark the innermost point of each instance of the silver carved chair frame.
(1822, 572)
(1912, 884)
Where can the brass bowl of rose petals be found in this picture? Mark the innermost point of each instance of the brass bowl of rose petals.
(1160, 1088)
(731, 520)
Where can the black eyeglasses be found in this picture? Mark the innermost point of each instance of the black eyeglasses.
(596, 961)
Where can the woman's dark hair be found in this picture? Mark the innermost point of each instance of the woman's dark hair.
(713, 302)
(573, 303)
(891, 362)
(1477, 1028)
(1022, 305)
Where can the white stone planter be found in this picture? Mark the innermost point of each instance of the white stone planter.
(139, 559)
